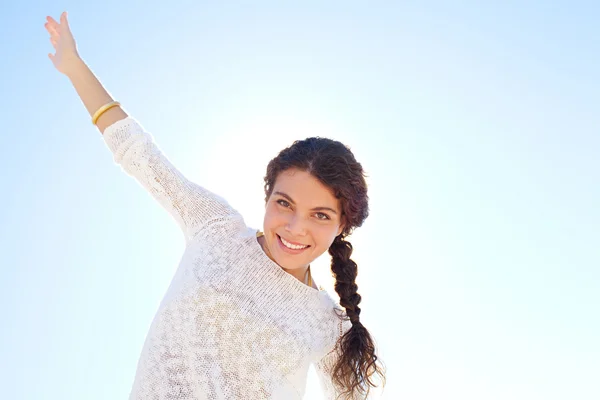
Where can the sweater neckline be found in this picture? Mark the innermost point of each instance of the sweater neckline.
(305, 289)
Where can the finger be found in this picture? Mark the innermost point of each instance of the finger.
(52, 21)
(54, 42)
(48, 26)
(52, 26)
(64, 21)
(52, 30)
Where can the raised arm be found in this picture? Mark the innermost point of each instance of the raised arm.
(67, 61)
(192, 206)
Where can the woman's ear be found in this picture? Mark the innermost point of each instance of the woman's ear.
(340, 230)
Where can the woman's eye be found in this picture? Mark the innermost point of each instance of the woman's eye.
(322, 216)
(283, 203)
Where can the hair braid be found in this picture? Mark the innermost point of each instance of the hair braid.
(345, 271)
(354, 371)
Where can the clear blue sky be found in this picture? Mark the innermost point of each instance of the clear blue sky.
(478, 125)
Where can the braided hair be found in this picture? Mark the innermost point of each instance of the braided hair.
(333, 164)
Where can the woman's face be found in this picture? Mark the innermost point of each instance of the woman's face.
(302, 219)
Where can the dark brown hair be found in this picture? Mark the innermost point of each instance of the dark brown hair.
(333, 164)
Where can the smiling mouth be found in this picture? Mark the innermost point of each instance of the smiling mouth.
(291, 246)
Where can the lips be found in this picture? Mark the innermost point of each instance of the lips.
(287, 249)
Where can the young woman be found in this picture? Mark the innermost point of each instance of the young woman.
(242, 318)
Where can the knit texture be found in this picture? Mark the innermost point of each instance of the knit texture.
(232, 324)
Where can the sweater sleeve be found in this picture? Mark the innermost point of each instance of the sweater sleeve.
(324, 368)
(189, 204)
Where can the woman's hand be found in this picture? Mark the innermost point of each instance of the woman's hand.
(66, 57)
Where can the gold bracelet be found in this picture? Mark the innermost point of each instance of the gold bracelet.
(103, 109)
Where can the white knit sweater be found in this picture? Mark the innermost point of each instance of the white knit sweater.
(233, 324)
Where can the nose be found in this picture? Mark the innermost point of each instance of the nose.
(295, 226)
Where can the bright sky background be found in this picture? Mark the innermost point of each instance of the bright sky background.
(479, 265)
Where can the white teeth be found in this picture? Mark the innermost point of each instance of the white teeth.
(291, 246)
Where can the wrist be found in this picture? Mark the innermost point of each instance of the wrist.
(75, 67)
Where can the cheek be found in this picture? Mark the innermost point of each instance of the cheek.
(325, 236)
(272, 217)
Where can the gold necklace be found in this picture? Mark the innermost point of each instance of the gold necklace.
(310, 282)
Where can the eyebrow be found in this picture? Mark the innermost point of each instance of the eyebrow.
(293, 202)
